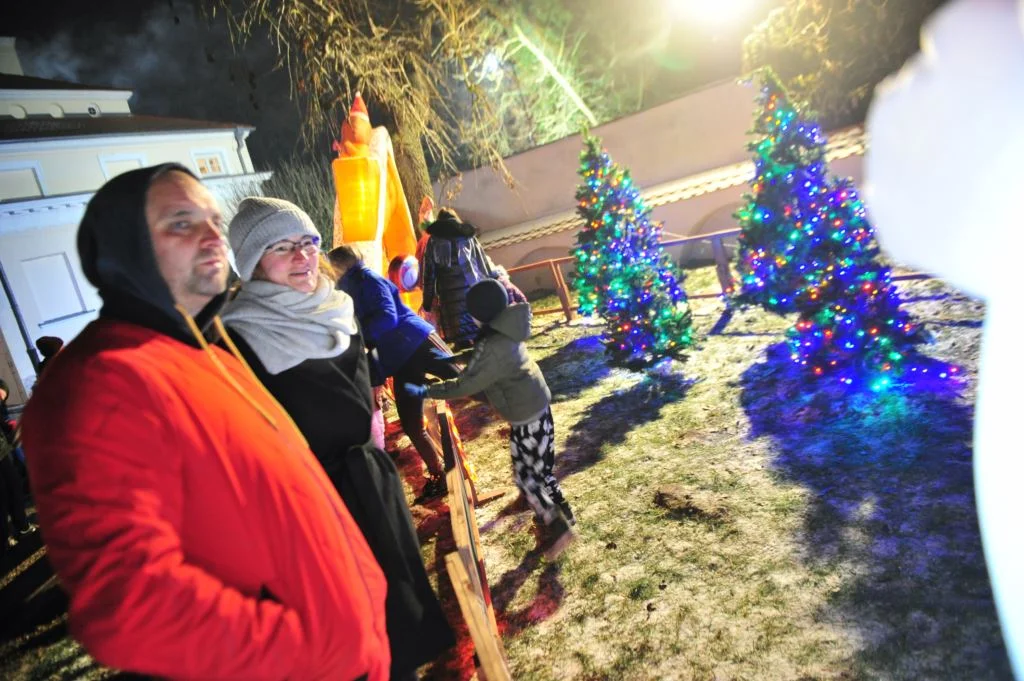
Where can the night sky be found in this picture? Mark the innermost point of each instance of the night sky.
(179, 63)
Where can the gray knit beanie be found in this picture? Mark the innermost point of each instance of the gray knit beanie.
(260, 222)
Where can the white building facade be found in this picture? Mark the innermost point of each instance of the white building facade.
(60, 142)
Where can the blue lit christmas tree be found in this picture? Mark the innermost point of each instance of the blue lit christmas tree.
(780, 219)
(852, 325)
(623, 273)
(807, 246)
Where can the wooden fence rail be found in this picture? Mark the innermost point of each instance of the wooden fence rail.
(722, 269)
(466, 568)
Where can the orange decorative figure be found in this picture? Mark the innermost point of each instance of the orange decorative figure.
(371, 212)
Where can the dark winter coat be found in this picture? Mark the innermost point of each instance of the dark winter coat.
(331, 402)
(6, 436)
(389, 326)
(6, 424)
(500, 366)
(453, 261)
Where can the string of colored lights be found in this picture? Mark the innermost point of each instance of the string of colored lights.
(623, 273)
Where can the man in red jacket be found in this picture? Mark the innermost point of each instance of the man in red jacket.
(194, 531)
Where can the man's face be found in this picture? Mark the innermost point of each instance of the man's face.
(186, 228)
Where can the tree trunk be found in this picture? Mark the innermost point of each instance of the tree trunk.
(410, 160)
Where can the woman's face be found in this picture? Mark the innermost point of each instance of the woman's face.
(292, 262)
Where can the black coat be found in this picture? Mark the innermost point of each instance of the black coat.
(453, 261)
(6, 431)
(331, 402)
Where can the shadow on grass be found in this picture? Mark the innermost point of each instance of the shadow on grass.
(545, 603)
(963, 323)
(34, 638)
(723, 321)
(542, 331)
(891, 509)
(610, 420)
(574, 367)
(924, 297)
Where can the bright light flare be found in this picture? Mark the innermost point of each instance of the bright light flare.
(713, 12)
(491, 64)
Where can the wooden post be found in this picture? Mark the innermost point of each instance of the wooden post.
(722, 264)
(563, 290)
(466, 567)
(478, 615)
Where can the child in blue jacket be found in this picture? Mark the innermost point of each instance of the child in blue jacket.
(407, 348)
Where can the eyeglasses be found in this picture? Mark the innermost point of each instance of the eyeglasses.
(307, 244)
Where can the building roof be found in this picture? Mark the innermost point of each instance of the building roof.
(10, 81)
(845, 142)
(12, 129)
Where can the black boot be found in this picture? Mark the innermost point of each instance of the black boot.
(567, 511)
(436, 486)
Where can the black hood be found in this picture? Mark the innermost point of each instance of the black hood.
(449, 227)
(118, 259)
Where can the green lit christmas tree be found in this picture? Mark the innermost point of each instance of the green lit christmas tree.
(623, 273)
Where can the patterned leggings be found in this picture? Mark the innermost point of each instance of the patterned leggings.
(533, 458)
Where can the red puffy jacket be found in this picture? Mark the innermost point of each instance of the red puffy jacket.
(195, 533)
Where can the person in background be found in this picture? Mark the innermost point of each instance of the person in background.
(515, 294)
(13, 520)
(191, 527)
(500, 366)
(48, 347)
(406, 346)
(453, 261)
(302, 339)
(423, 220)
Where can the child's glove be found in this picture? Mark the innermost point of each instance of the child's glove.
(415, 390)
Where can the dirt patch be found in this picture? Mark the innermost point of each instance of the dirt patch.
(684, 503)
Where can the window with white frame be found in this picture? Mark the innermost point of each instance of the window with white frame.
(210, 163)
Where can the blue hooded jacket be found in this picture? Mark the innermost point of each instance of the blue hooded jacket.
(389, 326)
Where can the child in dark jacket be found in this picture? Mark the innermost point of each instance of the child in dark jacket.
(500, 367)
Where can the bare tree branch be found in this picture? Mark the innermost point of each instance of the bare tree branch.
(832, 53)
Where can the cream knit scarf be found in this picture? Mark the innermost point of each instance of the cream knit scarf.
(285, 327)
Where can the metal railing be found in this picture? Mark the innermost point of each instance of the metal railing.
(722, 270)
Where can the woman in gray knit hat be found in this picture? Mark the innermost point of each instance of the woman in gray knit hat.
(300, 336)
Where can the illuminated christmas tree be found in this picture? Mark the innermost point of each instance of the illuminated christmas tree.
(851, 325)
(780, 221)
(807, 246)
(623, 273)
